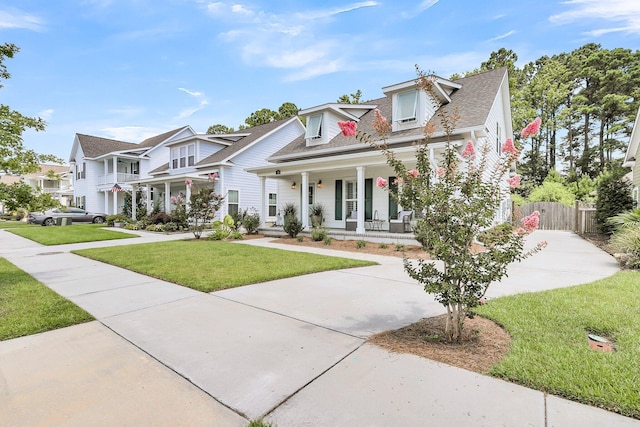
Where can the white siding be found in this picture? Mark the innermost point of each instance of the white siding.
(205, 149)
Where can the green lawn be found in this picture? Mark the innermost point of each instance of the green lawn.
(208, 265)
(69, 234)
(549, 351)
(14, 224)
(28, 307)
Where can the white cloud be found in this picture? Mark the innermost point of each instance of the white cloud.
(624, 13)
(46, 114)
(426, 4)
(327, 13)
(188, 112)
(503, 36)
(238, 8)
(215, 8)
(18, 19)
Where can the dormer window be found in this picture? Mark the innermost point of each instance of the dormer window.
(407, 106)
(183, 156)
(314, 127)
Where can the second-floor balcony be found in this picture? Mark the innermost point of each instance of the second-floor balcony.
(111, 178)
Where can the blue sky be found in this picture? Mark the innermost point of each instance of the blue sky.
(130, 69)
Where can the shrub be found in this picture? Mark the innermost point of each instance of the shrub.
(625, 219)
(551, 191)
(300, 239)
(151, 227)
(251, 221)
(292, 226)
(327, 240)
(289, 209)
(159, 218)
(399, 247)
(236, 235)
(360, 244)
(111, 219)
(171, 226)
(383, 245)
(614, 197)
(318, 234)
(627, 241)
(219, 234)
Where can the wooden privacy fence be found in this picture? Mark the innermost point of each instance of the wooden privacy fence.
(556, 216)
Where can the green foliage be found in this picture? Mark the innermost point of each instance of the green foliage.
(223, 229)
(260, 423)
(265, 115)
(614, 197)
(120, 218)
(251, 221)
(219, 129)
(20, 195)
(584, 189)
(361, 244)
(300, 239)
(627, 240)
(204, 202)
(383, 245)
(318, 234)
(327, 240)
(289, 209)
(354, 98)
(517, 199)
(292, 226)
(549, 351)
(28, 307)
(551, 191)
(209, 266)
(625, 219)
(400, 247)
(141, 206)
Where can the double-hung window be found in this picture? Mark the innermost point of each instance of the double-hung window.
(351, 199)
(184, 156)
(174, 158)
(314, 127)
(407, 106)
(273, 204)
(232, 202)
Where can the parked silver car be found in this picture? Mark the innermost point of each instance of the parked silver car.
(76, 215)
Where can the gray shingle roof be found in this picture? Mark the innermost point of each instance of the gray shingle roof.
(473, 101)
(255, 132)
(94, 146)
(155, 140)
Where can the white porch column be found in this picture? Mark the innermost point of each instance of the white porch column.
(104, 179)
(187, 193)
(225, 201)
(115, 202)
(262, 211)
(134, 202)
(106, 202)
(360, 225)
(304, 206)
(167, 197)
(149, 205)
(115, 169)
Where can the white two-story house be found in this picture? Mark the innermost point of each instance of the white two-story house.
(323, 166)
(157, 168)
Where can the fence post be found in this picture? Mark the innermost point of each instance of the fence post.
(577, 223)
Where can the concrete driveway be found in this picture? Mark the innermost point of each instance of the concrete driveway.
(292, 350)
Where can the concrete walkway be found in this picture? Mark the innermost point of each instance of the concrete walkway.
(292, 350)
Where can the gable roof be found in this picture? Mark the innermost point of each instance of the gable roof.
(252, 135)
(95, 146)
(473, 101)
(155, 140)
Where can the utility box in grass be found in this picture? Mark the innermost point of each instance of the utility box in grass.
(64, 221)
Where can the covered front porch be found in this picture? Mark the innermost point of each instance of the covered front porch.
(372, 236)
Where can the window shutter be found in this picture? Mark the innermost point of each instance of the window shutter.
(338, 204)
(368, 199)
(393, 205)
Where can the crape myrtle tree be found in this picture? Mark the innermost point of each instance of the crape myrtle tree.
(204, 202)
(457, 203)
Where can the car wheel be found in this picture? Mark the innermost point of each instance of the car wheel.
(48, 221)
(98, 220)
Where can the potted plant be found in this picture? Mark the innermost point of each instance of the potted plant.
(317, 214)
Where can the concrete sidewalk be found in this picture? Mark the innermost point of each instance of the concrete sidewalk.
(291, 349)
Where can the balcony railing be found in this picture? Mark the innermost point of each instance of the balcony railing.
(117, 178)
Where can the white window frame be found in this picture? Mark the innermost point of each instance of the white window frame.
(230, 203)
(350, 200)
(183, 156)
(314, 126)
(410, 114)
(272, 206)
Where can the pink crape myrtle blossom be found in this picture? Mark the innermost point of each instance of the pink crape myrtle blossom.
(514, 181)
(348, 128)
(508, 147)
(440, 172)
(531, 129)
(530, 223)
(380, 124)
(469, 150)
(187, 182)
(413, 172)
(398, 180)
(381, 182)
